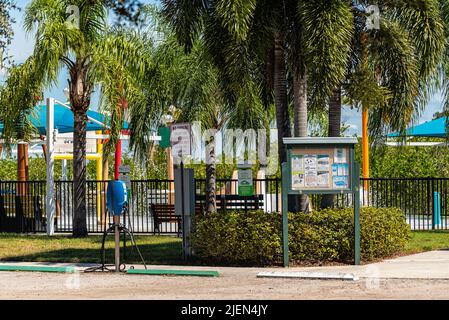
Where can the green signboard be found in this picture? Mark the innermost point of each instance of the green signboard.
(245, 186)
(164, 133)
(320, 166)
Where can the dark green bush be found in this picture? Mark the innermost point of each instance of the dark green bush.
(238, 237)
(322, 236)
(328, 235)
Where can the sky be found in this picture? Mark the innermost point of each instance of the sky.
(22, 47)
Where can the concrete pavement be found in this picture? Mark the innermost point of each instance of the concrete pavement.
(426, 265)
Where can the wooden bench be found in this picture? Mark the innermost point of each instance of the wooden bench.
(166, 213)
(21, 213)
(235, 202)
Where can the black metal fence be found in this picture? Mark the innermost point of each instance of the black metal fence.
(266, 197)
(425, 202)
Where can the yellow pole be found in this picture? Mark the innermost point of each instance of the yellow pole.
(365, 147)
(365, 140)
(99, 175)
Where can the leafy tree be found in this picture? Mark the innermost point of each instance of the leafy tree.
(190, 82)
(22, 91)
(6, 30)
(408, 162)
(93, 54)
(266, 40)
(390, 68)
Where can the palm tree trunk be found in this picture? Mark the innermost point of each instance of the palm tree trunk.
(280, 97)
(21, 169)
(79, 173)
(333, 131)
(281, 102)
(300, 121)
(211, 176)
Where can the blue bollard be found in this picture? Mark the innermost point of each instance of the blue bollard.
(437, 209)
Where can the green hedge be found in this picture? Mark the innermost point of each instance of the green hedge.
(238, 238)
(254, 238)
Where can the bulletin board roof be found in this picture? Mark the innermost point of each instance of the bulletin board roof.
(320, 141)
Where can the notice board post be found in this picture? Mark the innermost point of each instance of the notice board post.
(320, 166)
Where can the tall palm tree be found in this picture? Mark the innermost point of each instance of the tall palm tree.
(191, 82)
(443, 68)
(203, 99)
(93, 54)
(390, 69)
(309, 39)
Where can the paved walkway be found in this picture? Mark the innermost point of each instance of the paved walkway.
(420, 276)
(427, 265)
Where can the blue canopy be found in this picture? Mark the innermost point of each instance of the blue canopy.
(64, 120)
(434, 129)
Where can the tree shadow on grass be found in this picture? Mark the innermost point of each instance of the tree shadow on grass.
(154, 254)
(165, 254)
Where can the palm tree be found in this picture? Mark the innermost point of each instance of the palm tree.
(191, 82)
(443, 68)
(310, 38)
(203, 99)
(18, 97)
(390, 68)
(93, 54)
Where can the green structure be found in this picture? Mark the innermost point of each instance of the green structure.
(320, 166)
(245, 181)
(164, 133)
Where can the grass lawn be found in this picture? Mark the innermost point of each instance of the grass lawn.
(427, 240)
(155, 249)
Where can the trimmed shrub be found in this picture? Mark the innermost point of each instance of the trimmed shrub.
(323, 236)
(238, 237)
(328, 235)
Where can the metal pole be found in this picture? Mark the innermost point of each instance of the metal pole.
(49, 200)
(184, 240)
(284, 192)
(117, 243)
(118, 158)
(356, 181)
(365, 147)
(64, 170)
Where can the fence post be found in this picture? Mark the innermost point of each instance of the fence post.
(356, 176)
(284, 192)
(50, 201)
(431, 196)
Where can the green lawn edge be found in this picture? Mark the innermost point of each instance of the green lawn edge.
(37, 268)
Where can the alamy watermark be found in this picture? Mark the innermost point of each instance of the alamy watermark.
(229, 146)
(72, 282)
(73, 20)
(373, 18)
(372, 277)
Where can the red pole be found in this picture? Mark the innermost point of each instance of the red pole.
(118, 158)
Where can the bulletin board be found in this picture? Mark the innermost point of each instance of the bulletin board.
(320, 169)
(320, 166)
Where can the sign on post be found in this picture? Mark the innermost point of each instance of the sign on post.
(245, 183)
(320, 166)
(164, 133)
(180, 139)
(124, 171)
(64, 144)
